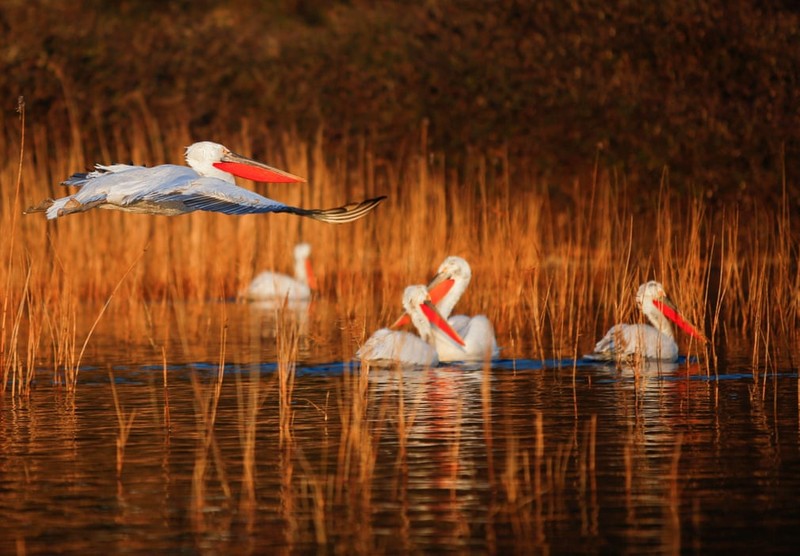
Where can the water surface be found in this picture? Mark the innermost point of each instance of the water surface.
(525, 456)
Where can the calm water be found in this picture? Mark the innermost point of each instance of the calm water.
(526, 457)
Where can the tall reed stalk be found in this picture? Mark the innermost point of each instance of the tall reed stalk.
(206, 406)
(124, 422)
(287, 342)
(553, 267)
(12, 366)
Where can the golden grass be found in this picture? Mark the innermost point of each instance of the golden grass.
(552, 268)
(206, 411)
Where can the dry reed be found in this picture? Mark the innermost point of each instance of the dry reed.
(124, 422)
(206, 410)
(551, 270)
(286, 335)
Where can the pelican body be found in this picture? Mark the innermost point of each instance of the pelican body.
(654, 341)
(207, 184)
(445, 289)
(390, 347)
(270, 285)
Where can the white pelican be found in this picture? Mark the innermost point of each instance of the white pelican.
(446, 288)
(272, 285)
(170, 189)
(386, 347)
(654, 341)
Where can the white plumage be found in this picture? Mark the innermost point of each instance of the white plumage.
(654, 341)
(388, 347)
(270, 285)
(445, 289)
(208, 184)
(479, 340)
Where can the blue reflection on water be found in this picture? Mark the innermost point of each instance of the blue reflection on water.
(665, 371)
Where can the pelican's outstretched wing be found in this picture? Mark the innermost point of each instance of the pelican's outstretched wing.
(170, 190)
(79, 179)
(337, 215)
(214, 195)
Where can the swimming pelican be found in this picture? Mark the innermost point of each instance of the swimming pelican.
(208, 184)
(386, 347)
(273, 285)
(654, 341)
(451, 281)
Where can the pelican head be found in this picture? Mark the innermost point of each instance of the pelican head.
(302, 251)
(647, 292)
(456, 268)
(447, 287)
(450, 283)
(417, 303)
(213, 160)
(660, 310)
(302, 265)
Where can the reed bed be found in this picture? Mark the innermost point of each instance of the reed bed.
(553, 267)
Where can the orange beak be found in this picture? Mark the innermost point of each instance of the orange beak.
(310, 277)
(429, 310)
(403, 320)
(247, 168)
(671, 312)
(437, 289)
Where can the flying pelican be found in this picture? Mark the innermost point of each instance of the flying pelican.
(272, 285)
(654, 341)
(170, 189)
(386, 347)
(446, 288)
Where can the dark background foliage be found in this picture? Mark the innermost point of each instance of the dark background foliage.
(709, 89)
